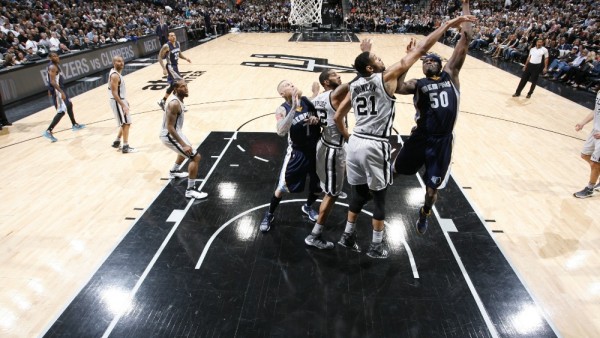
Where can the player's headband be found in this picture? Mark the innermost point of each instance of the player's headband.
(433, 57)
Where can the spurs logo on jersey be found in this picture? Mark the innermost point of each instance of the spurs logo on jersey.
(373, 107)
(330, 135)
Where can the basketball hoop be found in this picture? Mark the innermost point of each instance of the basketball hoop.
(306, 12)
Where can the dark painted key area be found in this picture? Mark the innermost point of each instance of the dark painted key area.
(253, 284)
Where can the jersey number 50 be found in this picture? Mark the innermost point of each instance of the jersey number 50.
(437, 101)
(366, 106)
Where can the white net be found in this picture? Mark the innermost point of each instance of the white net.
(306, 12)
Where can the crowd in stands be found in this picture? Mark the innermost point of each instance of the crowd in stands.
(570, 30)
(30, 29)
(506, 29)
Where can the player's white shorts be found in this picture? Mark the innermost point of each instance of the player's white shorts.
(172, 144)
(368, 162)
(592, 147)
(331, 168)
(118, 112)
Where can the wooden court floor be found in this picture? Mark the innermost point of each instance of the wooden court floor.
(67, 205)
(203, 268)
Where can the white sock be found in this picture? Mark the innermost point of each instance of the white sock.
(377, 236)
(317, 229)
(191, 183)
(349, 227)
(175, 167)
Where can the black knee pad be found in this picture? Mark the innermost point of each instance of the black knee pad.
(379, 204)
(360, 196)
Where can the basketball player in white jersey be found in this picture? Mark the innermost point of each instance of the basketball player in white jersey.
(119, 105)
(591, 150)
(172, 136)
(368, 153)
(331, 154)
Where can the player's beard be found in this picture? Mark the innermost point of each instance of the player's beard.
(430, 71)
(182, 94)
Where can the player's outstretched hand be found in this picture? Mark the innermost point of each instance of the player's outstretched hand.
(315, 88)
(411, 45)
(464, 18)
(365, 45)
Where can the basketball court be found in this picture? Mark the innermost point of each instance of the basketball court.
(98, 243)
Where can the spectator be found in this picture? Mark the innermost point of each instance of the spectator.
(44, 40)
(54, 42)
(518, 52)
(162, 31)
(30, 44)
(95, 43)
(86, 43)
(4, 45)
(63, 49)
(20, 58)
(564, 67)
(9, 61)
(76, 45)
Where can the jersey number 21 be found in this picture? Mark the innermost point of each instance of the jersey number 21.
(366, 106)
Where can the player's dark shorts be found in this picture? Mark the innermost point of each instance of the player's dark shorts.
(173, 74)
(296, 166)
(435, 152)
(59, 103)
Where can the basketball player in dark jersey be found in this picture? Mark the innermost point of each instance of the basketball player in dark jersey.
(369, 152)
(297, 118)
(62, 102)
(171, 51)
(436, 99)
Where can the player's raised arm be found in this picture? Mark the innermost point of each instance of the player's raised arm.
(459, 54)
(392, 75)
